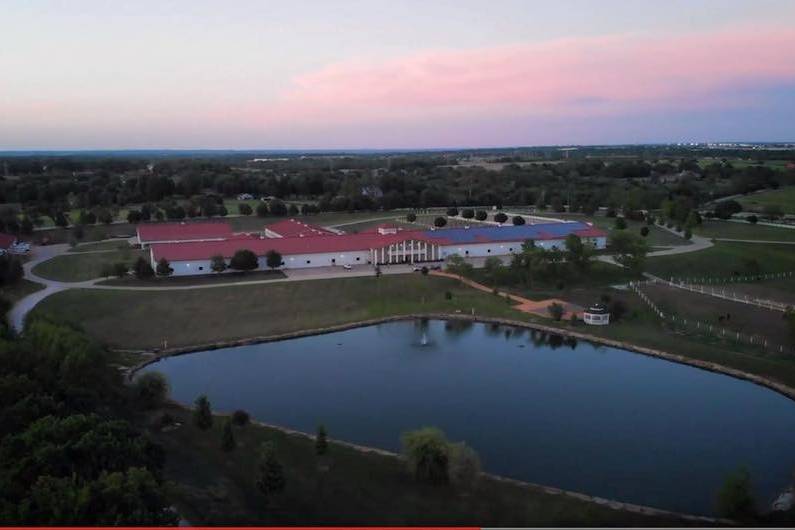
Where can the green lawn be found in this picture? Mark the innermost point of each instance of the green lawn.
(725, 259)
(784, 198)
(349, 488)
(19, 290)
(743, 230)
(82, 266)
(208, 279)
(658, 237)
(115, 244)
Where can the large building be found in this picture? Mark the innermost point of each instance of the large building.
(302, 245)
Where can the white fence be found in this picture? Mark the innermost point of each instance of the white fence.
(706, 328)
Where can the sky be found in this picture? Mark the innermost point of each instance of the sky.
(380, 74)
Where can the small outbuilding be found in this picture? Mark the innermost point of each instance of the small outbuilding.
(596, 315)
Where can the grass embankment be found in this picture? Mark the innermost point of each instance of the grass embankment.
(744, 230)
(19, 290)
(725, 259)
(82, 266)
(783, 198)
(357, 488)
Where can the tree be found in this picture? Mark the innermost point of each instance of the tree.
(228, 442)
(464, 465)
(240, 418)
(270, 474)
(244, 260)
(481, 215)
(426, 451)
(500, 217)
(411, 217)
(578, 253)
(620, 223)
(142, 268)
(245, 209)
(217, 263)
(630, 250)
(735, 498)
(150, 389)
(725, 209)
(163, 267)
(26, 226)
(321, 441)
(644, 231)
(452, 212)
(278, 208)
(752, 219)
(134, 217)
(518, 220)
(273, 259)
(439, 222)
(262, 209)
(457, 265)
(492, 266)
(556, 311)
(202, 414)
(468, 213)
(688, 233)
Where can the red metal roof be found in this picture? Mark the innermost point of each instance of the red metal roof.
(185, 231)
(283, 245)
(6, 240)
(296, 228)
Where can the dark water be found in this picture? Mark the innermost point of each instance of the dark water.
(577, 416)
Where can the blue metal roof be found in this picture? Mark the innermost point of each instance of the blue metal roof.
(485, 234)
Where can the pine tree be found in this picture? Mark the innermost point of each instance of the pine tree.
(321, 441)
(270, 480)
(228, 437)
(203, 416)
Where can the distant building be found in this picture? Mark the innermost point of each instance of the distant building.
(596, 315)
(153, 233)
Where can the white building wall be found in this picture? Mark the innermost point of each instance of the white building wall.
(295, 261)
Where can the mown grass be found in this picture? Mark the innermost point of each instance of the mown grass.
(19, 290)
(78, 267)
(743, 230)
(725, 259)
(784, 198)
(114, 244)
(207, 279)
(347, 487)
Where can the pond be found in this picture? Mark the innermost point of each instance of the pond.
(574, 415)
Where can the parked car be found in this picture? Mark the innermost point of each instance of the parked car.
(347, 267)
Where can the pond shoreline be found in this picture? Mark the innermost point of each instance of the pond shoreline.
(770, 384)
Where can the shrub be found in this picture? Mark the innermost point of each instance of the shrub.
(464, 465)
(164, 267)
(273, 259)
(500, 217)
(468, 213)
(411, 217)
(481, 215)
(143, 269)
(556, 311)
(262, 209)
(439, 222)
(735, 498)
(217, 263)
(120, 269)
(518, 220)
(244, 209)
(270, 475)
(620, 223)
(240, 417)
(644, 231)
(617, 309)
(424, 270)
(752, 219)
(452, 212)
(244, 260)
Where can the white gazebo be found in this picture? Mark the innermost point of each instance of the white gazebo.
(596, 315)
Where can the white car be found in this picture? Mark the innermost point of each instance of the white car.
(347, 267)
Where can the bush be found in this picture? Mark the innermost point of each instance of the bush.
(240, 417)
(164, 267)
(217, 263)
(439, 222)
(143, 270)
(644, 231)
(735, 498)
(202, 414)
(617, 310)
(620, 223)
(150, 389)
(273, 259)
(452, 212)
(244, 209)
(262, 209)
(500, 217)
(518, 220)
(244, 260)
(752, 219)
(556, 311)
(120, 269)
(464, 465)
(411, 217)
(468, 213)
(426, 451)
(481, 215)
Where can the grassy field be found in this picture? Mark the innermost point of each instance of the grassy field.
(208, 315)
(19, 290)
(734, 230)
(82, 266)
(784, 198)
(347, 488)
(723, 260)
(658, 237)
(114, 244)
(230, 277)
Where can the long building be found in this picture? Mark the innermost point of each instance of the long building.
(302, 245)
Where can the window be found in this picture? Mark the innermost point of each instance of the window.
(308, 262)
(466, 252)
(201, 268)
(510, 249)
(488, 251)
(333, 260)
(357, 259)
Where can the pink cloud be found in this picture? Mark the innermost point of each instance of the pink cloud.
(572, 77)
